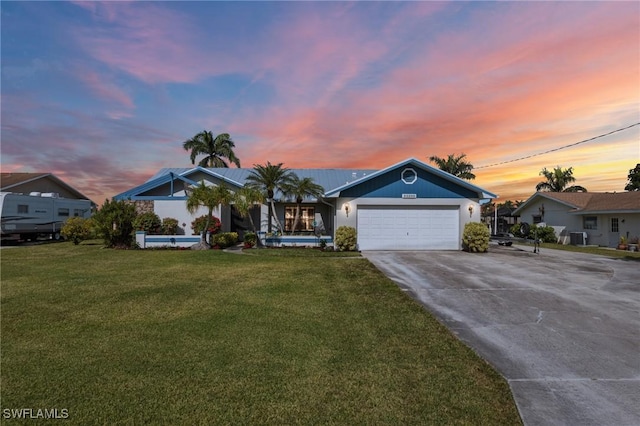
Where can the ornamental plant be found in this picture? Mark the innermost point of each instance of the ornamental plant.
(76, 229)
(346, 238)
(250, 239)
(475, 237)
(113, 222)
(199, 223)
(148, 222)
(224, 239)
(169, 226)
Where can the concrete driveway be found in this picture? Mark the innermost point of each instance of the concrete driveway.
(563, 328)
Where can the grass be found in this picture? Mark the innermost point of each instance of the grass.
(602, 251)
(184, 337)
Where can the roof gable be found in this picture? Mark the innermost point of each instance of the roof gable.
(42, 182)
(413, 177)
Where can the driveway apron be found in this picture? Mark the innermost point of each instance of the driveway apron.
(563, 328)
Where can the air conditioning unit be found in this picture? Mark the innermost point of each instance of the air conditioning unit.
(578, 238)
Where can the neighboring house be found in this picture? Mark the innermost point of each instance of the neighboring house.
(409, 205)
(26, 183)
(500, 220)
(602, 217)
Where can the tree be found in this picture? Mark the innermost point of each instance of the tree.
(634, 179)
(244, 200)
(214, 149)
(454, 165)
(209, 197)
(557, 181)
(301, 189)
(269, 178)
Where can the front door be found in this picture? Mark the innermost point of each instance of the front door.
(614, 232)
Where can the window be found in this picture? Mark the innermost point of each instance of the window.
(537, 218)
(409, 176)
(614, 225)
(23, 208)
(63, 212)
(590, 222)
(77, 212)
(307, 217)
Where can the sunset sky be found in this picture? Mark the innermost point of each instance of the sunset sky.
(103, 94)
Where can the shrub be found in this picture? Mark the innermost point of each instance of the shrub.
(546, 234)
(224, 239)
(113, 222)
(250, 239)
(76, 229)
(169, 226)
(515, 230)
(148, 222)
(199, 223)
(475, 237)
(346, 238)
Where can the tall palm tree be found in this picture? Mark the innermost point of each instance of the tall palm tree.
(244, 200)
(300, 189)
(557, 181)
(269, 178)
(209, 197)
(214, 149)
(455, 165)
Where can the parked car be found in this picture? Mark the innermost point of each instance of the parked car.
(503, 238)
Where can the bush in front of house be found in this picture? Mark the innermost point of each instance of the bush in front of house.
(475, 237)
(113, 222)
(76, 229)
(224, 239)
(148, 222)
(250, 239)
(169, 226)
(515, 230)
(546, 234)
(199, 223)
(346, 238)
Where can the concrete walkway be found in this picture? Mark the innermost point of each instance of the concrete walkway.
(563, 328)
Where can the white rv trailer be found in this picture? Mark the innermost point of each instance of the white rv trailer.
(28, 216)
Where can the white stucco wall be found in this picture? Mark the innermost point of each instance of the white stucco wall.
(352, 219)
(177, 209)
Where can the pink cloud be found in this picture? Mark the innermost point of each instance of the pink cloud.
(107, 90)
(148, 41)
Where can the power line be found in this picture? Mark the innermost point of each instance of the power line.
(558, 149)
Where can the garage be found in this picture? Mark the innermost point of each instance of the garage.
(408, 228)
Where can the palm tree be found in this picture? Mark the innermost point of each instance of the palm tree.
(557, 181)
(269, 178)
(300, 189)
(244, 200)
(209, 197)
(455, 165)
(214, 149)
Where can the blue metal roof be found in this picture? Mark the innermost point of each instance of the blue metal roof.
(327, 178)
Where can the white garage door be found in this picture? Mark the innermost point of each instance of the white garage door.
(408, 228)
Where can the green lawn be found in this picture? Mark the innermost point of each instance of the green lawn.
(602, 251)
(186, 337)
